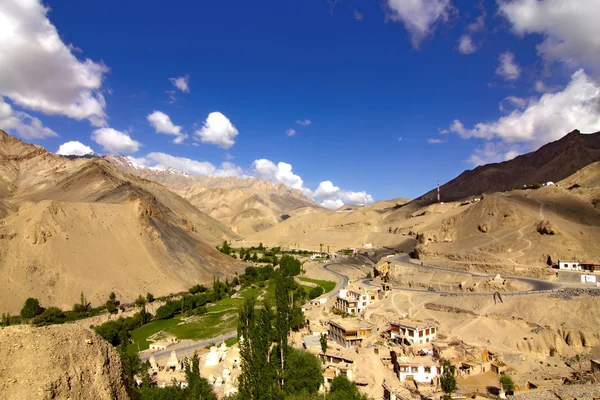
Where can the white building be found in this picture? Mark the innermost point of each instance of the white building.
(569, 265)
(353, 301)
(413, 332)
(367, 245)
(418, 369)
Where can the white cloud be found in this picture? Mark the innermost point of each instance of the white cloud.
(189, 166)
(508, 68)
(419, 17)
(329, 194)
(570, 28)
(358, 15)
(172, 99)
(181, 83)
(332, 204)
(332, 195)
(290, 132)
(162, 124)
(514, 102)
(304, 122)
(218, 130)
(22, 124)
(434, 141)
(282, 172)
(115, 142)
(38, 71)
(74, 148)
(465, 45)
(539, 121)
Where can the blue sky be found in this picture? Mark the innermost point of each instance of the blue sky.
(399, 94)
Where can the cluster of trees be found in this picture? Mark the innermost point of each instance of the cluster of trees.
(270, 368)
(118, 331)
(195, 303)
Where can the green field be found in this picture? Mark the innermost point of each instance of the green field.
(206, 326)
(141, 334)
(328, 286)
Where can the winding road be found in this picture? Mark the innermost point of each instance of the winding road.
(186, 347)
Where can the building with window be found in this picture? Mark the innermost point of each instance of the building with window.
(418, 369)
(413, 332)
(569, 265)
(349, 332)
(353, 301)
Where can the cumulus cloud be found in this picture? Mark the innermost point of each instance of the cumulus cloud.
(419, 17)
(162, 124)
(304, 122)
(290, 132)
(74, 148)
(282, 172)
(189, 166)
(218, 130)
(508, 68)
(181, 83)
(538, 121)
(332, 195)
(465, 45)
(570, 29)
(40, 72)
(22, 124)
(465, 42)
(115, 142)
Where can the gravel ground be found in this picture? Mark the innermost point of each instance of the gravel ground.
(562, 392)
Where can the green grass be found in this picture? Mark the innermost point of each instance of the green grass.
(206, 326)
(231, 341)
(140, 335)
(328, 286)
(222, 307)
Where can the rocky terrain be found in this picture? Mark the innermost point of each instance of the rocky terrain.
(80, 224)
(246, 205)
(552, 162)
(58, 362)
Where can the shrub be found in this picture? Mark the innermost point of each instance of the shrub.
(31, 308)
(149, 297)
(51, 315)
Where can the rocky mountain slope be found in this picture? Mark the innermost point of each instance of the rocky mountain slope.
(81, 224)
(246, 205)
(551, 162)
(58, 362)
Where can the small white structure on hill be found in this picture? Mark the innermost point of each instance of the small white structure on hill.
(569, 265)
(353, 301)
(413, 332)
(418, 369)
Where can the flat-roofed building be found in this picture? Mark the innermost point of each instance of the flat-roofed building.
(353, 301)
(349, 332)
(413, 332)
(418, 369)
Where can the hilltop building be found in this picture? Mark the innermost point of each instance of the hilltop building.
(349, 332)
(413, 332)
(353, 301)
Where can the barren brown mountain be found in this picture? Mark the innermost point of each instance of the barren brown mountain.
(80, 224)
(551, 162)
(59, 362)
(246, 205)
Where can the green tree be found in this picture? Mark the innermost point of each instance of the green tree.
(246, 332)
(112, 296)
(254, 257)
(303, 372)
(448, 380)
(83, 304)
(343, 389)
(282, 322)
(261, 247)
(51, 315)
(131, 366)
(149, 297)
(6, 319)
(31, 308)
(323, 341)
(140, 301)
(111, 307)
(507, 383)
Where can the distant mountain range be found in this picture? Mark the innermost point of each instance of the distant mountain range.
(551, 162)
(72, 224)
(246, 205)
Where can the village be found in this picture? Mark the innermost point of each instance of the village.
(393, 357)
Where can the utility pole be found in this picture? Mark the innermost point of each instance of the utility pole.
(438, 192)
